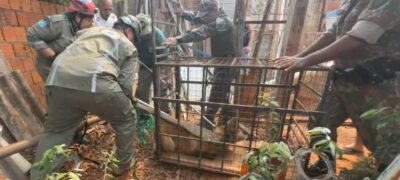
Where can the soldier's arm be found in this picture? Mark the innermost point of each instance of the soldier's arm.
(43, 32)
(203, 32)
(160, 38)
(188, 15)
(379, 17)
(327, 38)
(127, 72)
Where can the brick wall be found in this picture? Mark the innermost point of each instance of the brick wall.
(15, 18)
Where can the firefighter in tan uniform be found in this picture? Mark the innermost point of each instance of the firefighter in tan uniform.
(94, 74)
(51, 35)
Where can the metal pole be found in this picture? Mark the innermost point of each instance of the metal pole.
(156, 79)
(24, 144)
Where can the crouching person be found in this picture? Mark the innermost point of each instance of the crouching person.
(94, 74)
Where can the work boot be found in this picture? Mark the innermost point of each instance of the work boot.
(122, 173)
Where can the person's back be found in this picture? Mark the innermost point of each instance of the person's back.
(51, 35)
(223, 42)
(145, 47)
(55, 32)
(94, 74)
(94, 61)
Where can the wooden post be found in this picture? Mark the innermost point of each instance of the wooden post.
(291, 43)
(239, 24)
(296, 26)
(262, 29)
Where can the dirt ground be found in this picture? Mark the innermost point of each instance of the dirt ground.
(94, 157)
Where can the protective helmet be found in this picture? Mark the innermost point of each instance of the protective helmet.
(84, 7)
(145, 22)
(207, 6)
(133, 23)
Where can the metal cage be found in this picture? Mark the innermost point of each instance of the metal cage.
(245, 98)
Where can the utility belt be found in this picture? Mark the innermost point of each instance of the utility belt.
(371, 73)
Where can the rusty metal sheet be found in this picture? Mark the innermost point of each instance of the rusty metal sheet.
(19, 108)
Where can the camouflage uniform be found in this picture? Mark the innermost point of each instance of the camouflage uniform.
(145, 53)
(55, 32)
(222, 35)
(94, 74)
(375, 22)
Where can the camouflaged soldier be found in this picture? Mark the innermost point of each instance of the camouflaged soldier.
(146, 56)
(94, 74)
(367, 66)
(221, 31)
(51, 35)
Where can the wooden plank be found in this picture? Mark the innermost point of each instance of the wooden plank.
(291, 42)
(392, 172)
(232, 159)
(192, 128)
(262, 29)
(238, 21)
(296, 27)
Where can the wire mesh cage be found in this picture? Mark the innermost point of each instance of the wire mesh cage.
(224, 107)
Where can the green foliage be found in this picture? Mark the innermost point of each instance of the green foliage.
(112, 162)
(269, 160)
(273, 125)
(63, 176)
(324, 144)
(144, 125)
(47, 164)
(267, 99)
(386, 118)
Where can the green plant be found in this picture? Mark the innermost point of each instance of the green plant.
(268, 160)
(112, 162)
(144, 125)
(63, 176)
(323, 142)
(273, 124)
(268, 99)
(387, 120)
(48, 163)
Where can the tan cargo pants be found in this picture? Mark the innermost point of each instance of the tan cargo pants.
(67, 108)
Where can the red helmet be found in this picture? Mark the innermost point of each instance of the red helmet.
(85, 7)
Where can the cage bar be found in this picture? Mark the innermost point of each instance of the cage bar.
(238, 96)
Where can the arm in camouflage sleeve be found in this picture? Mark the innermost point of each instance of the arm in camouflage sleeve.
(188, 15)
(160, 38)
(42, 32)
(204, 31)
(379, 17)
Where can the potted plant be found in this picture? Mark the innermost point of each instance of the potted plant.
(323, 147)
(269, 162)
